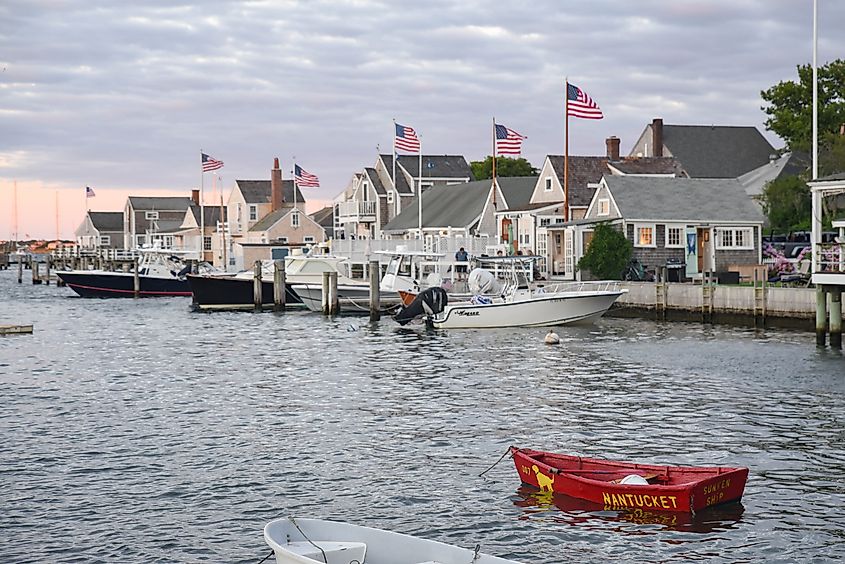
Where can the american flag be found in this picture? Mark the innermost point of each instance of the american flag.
(406, 139)
(209, 163)
(580, 105)
(89, 192)
(508, 141)
(304, 179)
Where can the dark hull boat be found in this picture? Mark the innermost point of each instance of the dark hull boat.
(233, 292)
(105, 284)
(626, 485)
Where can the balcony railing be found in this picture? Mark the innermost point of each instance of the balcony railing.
(830, 258)
(356, 211)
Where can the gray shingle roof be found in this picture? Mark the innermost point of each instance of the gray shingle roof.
(325, 217)
(832, 177)
(717, 151)
(433, 166)
(160, 203)
(258, 191)
(683, 199)
(582, 170)
(378, 186)
(107, 221)
(648, 165)
(212, 214)
(455, 205)
(271, 218)
(517, 190)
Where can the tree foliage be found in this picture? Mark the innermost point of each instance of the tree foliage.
(504, 167)
(608, 253)
(787, 204)
(790, 107)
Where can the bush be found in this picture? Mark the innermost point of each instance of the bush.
(608, 253)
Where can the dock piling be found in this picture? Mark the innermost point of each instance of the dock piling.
(36, 272)
(334, 301)
(375, 305)
(279, 284)
(324, 301)
(136, 280)
(47, 268)
(257, 298)
(20, 270)
(821, 317)
(836, 319)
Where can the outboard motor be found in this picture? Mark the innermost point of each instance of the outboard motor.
(428, 302)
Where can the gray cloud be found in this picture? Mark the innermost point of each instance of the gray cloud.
(125, 95)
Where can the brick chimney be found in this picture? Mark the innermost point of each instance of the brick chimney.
(276, 194)
(657, 137)
(195, 196)
(612, 148)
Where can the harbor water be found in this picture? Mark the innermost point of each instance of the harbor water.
(140, 431)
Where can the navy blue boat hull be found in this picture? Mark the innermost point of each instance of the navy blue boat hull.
(229, 292)
(122, 285)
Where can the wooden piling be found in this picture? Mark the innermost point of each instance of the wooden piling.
(279, 284)
(20, 269)
(836, 319)
(375, 304)
(821, 316)
(36, 272)
(257, 298)
(47, 268)
(136, 279)
(324, 296)
(334, 301)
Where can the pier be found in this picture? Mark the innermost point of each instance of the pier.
(15, 330)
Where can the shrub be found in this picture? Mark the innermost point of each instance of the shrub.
(608, 253)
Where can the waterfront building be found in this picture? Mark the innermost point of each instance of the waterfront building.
(100, 230)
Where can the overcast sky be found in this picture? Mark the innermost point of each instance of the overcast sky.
(122, 96)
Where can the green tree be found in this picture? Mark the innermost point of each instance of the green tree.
(608, 253)
(787, 204)
(790, 107)
(504, 167)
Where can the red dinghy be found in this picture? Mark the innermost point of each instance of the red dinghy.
(625, 485)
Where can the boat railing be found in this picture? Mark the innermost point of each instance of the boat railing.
(584, 286)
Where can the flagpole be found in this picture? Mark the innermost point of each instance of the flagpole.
(57, 216)
(202, 215)
(419, 195)
(293, 174)
(566, 158)
(395, 184)
(494, 152)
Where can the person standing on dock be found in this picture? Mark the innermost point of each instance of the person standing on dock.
(461, 256)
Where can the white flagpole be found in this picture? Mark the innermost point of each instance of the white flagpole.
(419, 193)
(395, 183)
(202, 215)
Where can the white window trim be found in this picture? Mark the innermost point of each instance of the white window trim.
(283, 240)
(681, 238)
(637, 227)
(390, 196)
(603, 202)
(151, 215)
(308, 239)
(294, 219)
(749, 237)
(253, 212)
(549, 185)
(105, 240)
(206, 242)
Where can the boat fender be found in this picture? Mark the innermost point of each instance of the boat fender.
(634, 480)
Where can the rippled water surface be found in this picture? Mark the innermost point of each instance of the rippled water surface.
(139, 431)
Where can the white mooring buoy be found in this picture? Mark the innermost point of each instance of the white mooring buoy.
(551, 338)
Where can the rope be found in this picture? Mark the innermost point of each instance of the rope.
(323, 552)
(266, 557)
(497, 462)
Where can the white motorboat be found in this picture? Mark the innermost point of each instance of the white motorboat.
(352, 296)
(161, 272)
(306, 541)
(508, 299)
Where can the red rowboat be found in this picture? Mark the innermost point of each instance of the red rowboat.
(625, 485)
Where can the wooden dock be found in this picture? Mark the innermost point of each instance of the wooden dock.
(15, 329)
